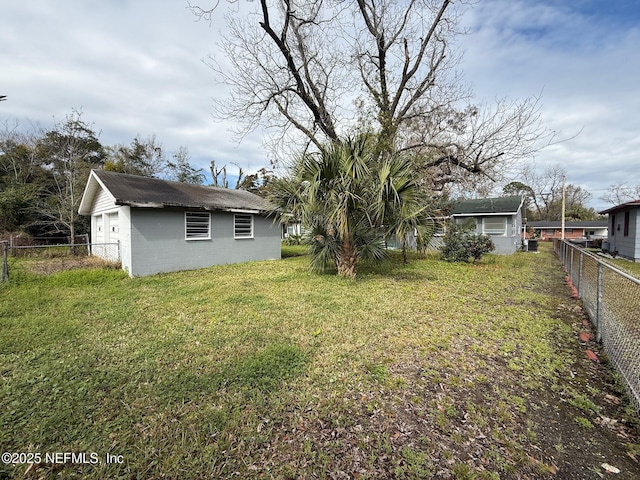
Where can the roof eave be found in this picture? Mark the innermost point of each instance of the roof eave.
(620, 207)
(182, 205)
(485, 214)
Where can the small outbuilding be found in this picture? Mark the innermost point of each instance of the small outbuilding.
(164, 226)
(500, 218)
(624, 230)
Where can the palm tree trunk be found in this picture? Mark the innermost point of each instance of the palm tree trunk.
(347, 260)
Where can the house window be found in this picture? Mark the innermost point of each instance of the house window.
(613, 224)
(494, 226)
(549, 231)
(626, 224)
(568, 230)
(197, 225)
(242, 226)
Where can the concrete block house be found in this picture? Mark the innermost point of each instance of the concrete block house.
(164, 226)
(500, 218)
(624, 230)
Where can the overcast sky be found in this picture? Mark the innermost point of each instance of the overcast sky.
(135, 68)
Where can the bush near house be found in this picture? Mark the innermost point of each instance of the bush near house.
(462, 244)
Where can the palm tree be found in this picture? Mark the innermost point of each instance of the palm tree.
(349, 200)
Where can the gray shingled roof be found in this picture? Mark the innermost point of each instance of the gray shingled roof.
(487, 206)
(623, 206)
(137, 191)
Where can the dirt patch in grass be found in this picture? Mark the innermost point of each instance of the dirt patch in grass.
(59, 264)
(587, 425)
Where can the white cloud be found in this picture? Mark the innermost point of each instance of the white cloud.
(582, 64)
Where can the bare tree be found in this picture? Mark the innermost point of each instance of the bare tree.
(215, 175)
(621, 193)
(545, 194)
(69, 152)
(318, 70)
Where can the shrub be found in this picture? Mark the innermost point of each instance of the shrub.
(461, 244)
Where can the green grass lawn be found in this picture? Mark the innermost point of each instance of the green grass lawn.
(264, 370)
(632, 268)
(627, 266)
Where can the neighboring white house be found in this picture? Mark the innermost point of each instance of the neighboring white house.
(624, 230)
(500, 218)
(164, 226)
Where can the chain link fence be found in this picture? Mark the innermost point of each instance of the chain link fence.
(56, 255)
(109, 252)
(612, 300)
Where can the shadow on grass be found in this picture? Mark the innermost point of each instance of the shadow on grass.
(263, 370)
(288, 251)
(394, 268)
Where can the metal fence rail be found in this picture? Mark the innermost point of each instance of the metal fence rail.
(612, 300)
(107, 251)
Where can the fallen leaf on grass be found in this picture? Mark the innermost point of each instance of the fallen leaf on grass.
(551, 468)
(585, 336)
(612, 399)
(610, 468)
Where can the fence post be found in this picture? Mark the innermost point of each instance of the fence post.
(5, 265)
(569, 261)
(599, 313)
(580, 271)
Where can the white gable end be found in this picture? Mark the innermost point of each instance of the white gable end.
(102, 202)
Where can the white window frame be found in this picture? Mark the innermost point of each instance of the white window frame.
(244, 235)
(197, 235)
(494, 231)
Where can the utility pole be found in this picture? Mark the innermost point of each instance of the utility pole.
(562, 228)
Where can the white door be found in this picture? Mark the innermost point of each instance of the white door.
(112, 236)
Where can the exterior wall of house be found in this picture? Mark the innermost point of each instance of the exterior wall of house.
(509, 242)
(158, 242)
(593, 233)
(627, 246)
(505, 244)
(551, 233)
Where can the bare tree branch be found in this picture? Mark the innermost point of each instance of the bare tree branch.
(298, 65)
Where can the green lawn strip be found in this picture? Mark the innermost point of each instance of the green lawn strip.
(632, 268)
(266, 369)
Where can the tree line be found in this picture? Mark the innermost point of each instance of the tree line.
(43, 173)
